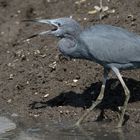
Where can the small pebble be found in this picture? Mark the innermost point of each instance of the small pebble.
(80, 1)
(85, 18)
(14, 115)
(61, 111)
(36, 115)
(18, 11)
(9, 101)
(11, 76)
(17, 22)
(36, 93)
(92, 12)
(75, 80)
(2, 33)
(53, 65)
(45, 96)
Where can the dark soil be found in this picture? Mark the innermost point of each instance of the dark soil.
(36, 81)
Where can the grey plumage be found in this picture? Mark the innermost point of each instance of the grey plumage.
(112, 47)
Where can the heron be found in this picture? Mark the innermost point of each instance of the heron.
(112, 47)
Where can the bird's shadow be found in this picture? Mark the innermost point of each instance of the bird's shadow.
(114, 96)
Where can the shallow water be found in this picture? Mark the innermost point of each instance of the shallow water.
(62, 131)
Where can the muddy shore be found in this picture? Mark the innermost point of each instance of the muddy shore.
(37, 82)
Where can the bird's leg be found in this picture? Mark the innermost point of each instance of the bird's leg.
(101, 6)
(98, 100)
(127, 94)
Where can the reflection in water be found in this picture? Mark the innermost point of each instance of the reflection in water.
(41, 131)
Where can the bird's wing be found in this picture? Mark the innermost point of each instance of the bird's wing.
(111, 44)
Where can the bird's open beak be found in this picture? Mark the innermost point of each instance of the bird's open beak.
(45, 21)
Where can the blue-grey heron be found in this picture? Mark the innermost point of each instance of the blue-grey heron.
(112, 47)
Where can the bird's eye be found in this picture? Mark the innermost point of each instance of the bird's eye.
(59, 24)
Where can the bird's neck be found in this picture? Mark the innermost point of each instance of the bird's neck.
(67, 46)
(70, 37)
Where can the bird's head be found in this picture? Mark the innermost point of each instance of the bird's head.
(63, 27)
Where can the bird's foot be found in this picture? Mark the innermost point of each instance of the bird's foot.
(77, 124)
(119, 125)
